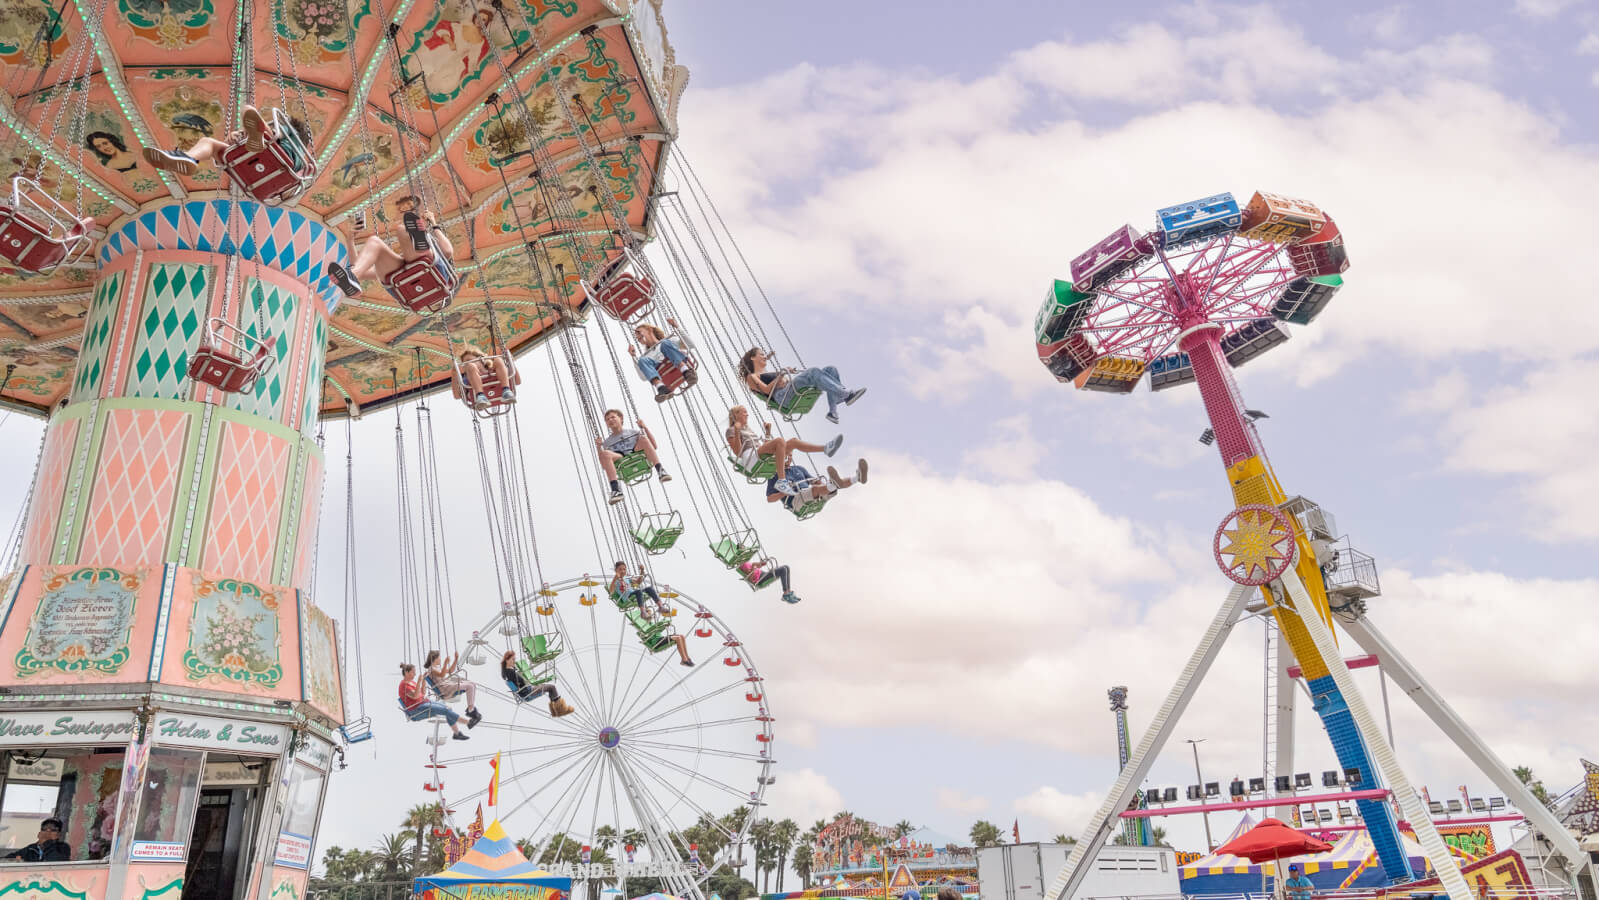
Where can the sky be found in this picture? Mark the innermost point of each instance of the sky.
(906, 179)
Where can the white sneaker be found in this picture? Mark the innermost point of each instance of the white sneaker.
(831, 447)
(782, 486)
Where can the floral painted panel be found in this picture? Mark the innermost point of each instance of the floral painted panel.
(234, 635)
(82, 624)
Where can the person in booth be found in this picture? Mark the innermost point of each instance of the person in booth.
(754, 573)
(418, 707)
(378, 259)
(48, 848)
(659, 349)
(255, 134)
(526, 692)
(1298, 886)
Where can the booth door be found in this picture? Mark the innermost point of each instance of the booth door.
(217, 847)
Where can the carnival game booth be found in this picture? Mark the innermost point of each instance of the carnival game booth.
(178, 725)
(493, 869)
(1351, 863)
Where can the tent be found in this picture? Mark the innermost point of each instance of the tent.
(1351, 863)
(494, 869)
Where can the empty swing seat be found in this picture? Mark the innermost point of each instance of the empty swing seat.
(425, 284)
(357, 731)
(230, 359)
(736, 548)
(765, 467)
(37, 233)
(538, 649)
(658, 532)
(277, 173)
(633, 467)
(626, 297)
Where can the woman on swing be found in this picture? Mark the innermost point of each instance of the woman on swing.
(442, 675)
(748, 447)
(478, 369)
(255, 134)
(782, 387)
(526, 692)
(378, 259)
(659, 349)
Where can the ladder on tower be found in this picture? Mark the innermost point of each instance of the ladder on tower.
(1268, 740)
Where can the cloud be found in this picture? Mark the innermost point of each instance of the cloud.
(960, 801)
(1589, 46)
(1062, 813)
(1012, 452)
(1543, 9)
(804, 796)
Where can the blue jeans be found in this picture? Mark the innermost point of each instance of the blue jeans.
(430, 708)
(670, 350)
(824, 379)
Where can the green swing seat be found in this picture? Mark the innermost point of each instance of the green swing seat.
(633, 467)
(536, 652)
(657, 532)
(765, 467)
(736, 548)
(799, 403)
(809, 508)
(652, 634)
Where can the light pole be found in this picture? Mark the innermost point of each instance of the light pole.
(1209, 844)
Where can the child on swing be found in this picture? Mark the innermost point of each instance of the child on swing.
(377, 259)
(255, 134)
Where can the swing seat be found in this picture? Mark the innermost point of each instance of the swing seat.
(652, 634)
(230, 359)
(37, 233)
(737, 547)
(499, 385)
(627, 297)
(633, 467)
(703, 631)
(765, 467)
(768, 574)
(809, 508)
(416, 716)
(672, 375)
(280, 171)
(657, 532)
(357, 731)
(425, 284)
(798, 404)
(538, 649)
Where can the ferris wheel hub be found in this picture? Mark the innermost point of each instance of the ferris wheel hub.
(610, 737)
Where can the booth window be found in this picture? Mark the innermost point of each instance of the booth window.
(76, 787)
(305, 800)
(166, 801)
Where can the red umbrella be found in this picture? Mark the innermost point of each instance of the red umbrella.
(1271, 841)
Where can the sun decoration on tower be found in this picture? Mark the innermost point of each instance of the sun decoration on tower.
(1254, 544)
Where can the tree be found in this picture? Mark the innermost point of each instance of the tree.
(986, 834)
(902, 828)
(803, 858)
(421, 820)
(1536, 788)
(1065, 839)
(390, 854)
(784, 834)
(761, 838)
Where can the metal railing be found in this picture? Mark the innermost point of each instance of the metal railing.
(1398, 892)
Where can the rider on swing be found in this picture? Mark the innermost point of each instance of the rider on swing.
(378, 259)
(255, 135)
(526, 692)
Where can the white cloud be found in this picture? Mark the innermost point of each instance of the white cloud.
(1589, 46)
(1543, 9)
(1062, 813)
(960, 801)
(1010, 451)
(804, 796)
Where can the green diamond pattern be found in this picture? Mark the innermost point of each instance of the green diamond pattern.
(92, 363)
(175, 303)
(313, 374)
(270, 312)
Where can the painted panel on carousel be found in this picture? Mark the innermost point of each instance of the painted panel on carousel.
(130, 501)
(228, 634)
(44, 510)
(155, 881)
(84, 624)
(246, 502)
(50, 882)
(322, 686)
(169, 322)
(1199, 219)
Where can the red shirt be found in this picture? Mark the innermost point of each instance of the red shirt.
(411, 695)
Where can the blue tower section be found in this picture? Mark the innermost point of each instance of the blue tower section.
(1351, 751)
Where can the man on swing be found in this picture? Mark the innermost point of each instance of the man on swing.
(378, 259)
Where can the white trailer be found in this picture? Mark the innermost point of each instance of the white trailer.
(1025, 871)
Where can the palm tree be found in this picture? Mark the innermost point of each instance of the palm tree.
(391, 852)
(902, 828)
(1524, 775)
(761, 840)
(986, 834)
(604, 837)
(1065, 839)
(803, 857)
(784, 834)
(421, 820)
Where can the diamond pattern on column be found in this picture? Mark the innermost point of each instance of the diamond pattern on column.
(175, 303)
(245, 502)
(130, 506)
(310, 500)
(312, 394)
(44, 513)
(269, 311)
(92, 363)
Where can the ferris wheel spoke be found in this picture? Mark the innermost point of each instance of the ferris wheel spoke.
(713, 751)
(562, 825)
(637, 723)
(644, 691)
(741, 796)
(633, 732)
(639, 795)
(604, 709)
(616, 670)
(582, 754)
(577, 666)
(683, 797)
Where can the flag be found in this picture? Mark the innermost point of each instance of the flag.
(1016, 830)
(494, 781)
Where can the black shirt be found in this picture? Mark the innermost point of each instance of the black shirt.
(48, 851)
(512, 676)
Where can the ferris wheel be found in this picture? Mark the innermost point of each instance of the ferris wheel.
(639, 779)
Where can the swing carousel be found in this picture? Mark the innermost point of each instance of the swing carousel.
(226, 225)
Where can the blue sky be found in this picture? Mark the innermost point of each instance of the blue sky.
(907, 177)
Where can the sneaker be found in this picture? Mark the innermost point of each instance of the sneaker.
(783, 486)
(662, 393)
(473, 717)
(255, 129)
(860, 471)
(175, 161)
(831, 447)
(417, 231)
(852, 396)
(832, 416)
(458, 736)
(615, 498)
(662, 475)
(839, 481)
(346, 282)
(691, 376)
(689, 663)
(482, 400)
(790, 597)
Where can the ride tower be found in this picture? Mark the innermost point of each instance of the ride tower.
(1211, 288)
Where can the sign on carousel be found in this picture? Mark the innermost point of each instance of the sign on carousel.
(623, 870)
(66, 728)
(175, 729)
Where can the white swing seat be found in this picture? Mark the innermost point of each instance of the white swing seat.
(357, 731)
(230, 359)
(38, 233)
(426, 284)
(279, 172)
